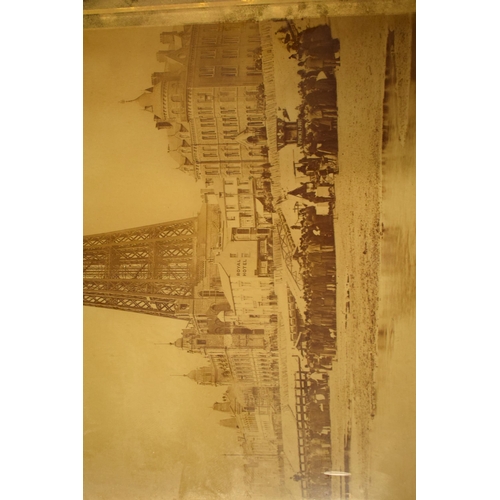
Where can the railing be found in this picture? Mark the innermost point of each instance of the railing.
(288, 247)
(301, 416)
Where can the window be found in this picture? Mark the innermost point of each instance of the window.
(227, 112)
(231, 121)
(231, 39)
(230, 134)
(208, 135)
(252, 71)
(232, 151)
(229, 70)
(207, 122)
(210, 166)
(205, 97)
(207, 53)
(206, 71)
(209, 40)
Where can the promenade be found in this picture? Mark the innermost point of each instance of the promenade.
(372, 266)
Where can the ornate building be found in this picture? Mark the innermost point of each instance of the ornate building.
(209, 98)
(239, 354)
(258, 423)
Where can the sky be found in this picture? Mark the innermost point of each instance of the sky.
(145, 427)
(129, 179)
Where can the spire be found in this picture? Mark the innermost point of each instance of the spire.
(155, 100)
(123, 101)
(148, 100)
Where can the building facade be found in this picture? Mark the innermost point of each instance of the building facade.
(209, 99)
(248, 283)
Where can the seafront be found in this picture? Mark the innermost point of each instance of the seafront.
(368, 225)
(295, 281)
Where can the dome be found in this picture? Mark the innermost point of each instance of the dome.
(166, 99)
(174, 142)
(177, 157)
(152, 100)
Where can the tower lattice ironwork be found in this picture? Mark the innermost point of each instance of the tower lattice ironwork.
(151, 269)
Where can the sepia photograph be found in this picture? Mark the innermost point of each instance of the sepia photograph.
(249, 251)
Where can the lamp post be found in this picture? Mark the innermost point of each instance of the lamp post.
(296, 208)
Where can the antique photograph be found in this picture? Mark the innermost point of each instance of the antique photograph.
(249, 256)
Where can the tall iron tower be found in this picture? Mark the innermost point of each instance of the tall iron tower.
(151, 269)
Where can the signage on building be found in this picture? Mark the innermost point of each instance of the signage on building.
(241, 267)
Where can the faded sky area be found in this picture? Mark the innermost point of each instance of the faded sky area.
(148, 433)
(129, 178)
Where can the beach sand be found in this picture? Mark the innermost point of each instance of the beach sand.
(373, 382)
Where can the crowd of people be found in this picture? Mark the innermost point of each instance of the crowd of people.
(318, 269)
(316, 53)
(318, 441)
(318, 340)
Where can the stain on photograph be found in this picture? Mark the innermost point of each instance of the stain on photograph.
(249, 260)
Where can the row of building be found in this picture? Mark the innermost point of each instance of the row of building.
(219, 138)
(209, 99)
(216, 271)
